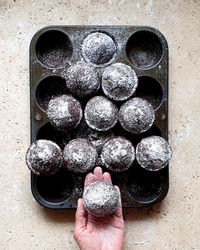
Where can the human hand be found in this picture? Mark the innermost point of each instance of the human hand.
(98, 233)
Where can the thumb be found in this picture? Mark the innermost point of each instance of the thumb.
(80, 216)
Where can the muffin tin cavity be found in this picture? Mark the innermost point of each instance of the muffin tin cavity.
(144, 186)
(144, 49)
(48, 88)
(151, 90)
(56, 188)
(154, 130)
(48, 132)
(53, 48)
(54, 52)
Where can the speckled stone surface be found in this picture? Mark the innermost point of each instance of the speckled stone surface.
(173, 224)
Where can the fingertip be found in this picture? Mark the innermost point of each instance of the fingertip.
(117, 188)
(97, 170)
(81, 215)
(107, 177)
(80, 202)
(98, 175)
(88, 180)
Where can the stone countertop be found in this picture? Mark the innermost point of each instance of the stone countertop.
(173, 224)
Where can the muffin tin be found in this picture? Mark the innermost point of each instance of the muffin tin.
(52, 50)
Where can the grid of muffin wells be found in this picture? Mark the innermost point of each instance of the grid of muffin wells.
(103, 88)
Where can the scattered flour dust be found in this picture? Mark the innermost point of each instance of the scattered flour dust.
(143, 233)
(182, 132)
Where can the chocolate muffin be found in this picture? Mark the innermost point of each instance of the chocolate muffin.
(79, 156)
(119, 82)
(44, 157)
(100, 113)
(153, 153)
(82, 79)
(118, 154)
(64, 112)
(101, 198)
(136, 115)
(98, 48)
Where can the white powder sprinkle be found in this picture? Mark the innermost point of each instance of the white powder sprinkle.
(136, 115)
(101, 198)
(119, 82)
(100, 113)
(99, 48)
(118, 154)
(80, 155)
(153, 153)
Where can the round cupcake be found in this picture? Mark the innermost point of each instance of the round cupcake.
(119, 82)
(79, 156)
(98, 48)
(82, 79)
(101, 198)
(64, 112)
(153, 153)
(118, 154)
(100, 113)
(136, 115)
(44, 157)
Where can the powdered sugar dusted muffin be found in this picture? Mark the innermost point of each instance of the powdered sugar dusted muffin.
(153, 153)
(136, 115)
(64, 112)
(101, 198)
(100, 113)
(79, 156)
(118, 154)
(82, 79)
(119, 82)
(44, 157)
(98, 48)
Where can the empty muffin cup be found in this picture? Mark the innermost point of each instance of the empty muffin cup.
(48, 88)
(49, 132)
(150, 90)
(144, 186)
(53, 48)
(56, 188)
(144, 49)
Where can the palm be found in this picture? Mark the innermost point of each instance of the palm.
(98, 232)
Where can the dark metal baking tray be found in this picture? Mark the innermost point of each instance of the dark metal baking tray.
(143, 48)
